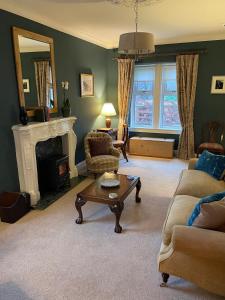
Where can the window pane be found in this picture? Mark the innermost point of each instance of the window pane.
(142, 98)
(169, 115)
(143, 110)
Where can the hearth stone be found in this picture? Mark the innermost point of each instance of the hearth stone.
(49, 198)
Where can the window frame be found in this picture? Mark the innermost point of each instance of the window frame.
(156, 104)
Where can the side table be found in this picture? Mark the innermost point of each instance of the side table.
(111, 131)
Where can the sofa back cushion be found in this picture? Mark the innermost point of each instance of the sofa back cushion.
(212, 164)
(198, 184)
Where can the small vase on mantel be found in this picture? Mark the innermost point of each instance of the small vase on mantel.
(23, 115)
(66, 109)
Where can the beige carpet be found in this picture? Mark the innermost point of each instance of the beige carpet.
(47, 256)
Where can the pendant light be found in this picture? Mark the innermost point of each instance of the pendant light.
(136, 43)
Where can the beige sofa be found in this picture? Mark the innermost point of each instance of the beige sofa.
(195, 254)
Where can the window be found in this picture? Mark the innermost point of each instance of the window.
(154, 98)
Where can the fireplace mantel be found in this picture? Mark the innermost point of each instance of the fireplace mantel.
(26, 138)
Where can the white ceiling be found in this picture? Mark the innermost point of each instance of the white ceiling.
(100, 22)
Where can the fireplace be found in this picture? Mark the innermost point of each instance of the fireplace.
(26, 139)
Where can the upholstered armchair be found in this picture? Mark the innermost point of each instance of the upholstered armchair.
(101, 156)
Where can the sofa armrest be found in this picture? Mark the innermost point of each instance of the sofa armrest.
(199, 242)
(191, 164)
(114, 152)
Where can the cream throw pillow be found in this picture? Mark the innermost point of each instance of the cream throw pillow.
(212, 215)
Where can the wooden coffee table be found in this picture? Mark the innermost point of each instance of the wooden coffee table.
(95, 193)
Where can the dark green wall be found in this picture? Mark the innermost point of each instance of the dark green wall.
(72, 56)
(208, 106)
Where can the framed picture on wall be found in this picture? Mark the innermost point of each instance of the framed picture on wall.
(218, 85)
(26, 86)
(86, 85)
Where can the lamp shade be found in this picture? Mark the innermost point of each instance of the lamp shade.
(136, 43)
(108, 110)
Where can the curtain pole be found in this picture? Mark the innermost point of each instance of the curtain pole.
(197, 51)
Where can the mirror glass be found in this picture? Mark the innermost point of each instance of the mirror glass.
(35, 68)
(36, 72)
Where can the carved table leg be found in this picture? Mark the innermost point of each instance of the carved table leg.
(165, 278)
(138, 188)
(117, 210)
(78, 204)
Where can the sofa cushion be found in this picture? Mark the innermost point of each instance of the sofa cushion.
(209, 212)
(212, 164)
(198, 184)
(180, 209)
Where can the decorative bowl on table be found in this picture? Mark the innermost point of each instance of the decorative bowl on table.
(109, 183)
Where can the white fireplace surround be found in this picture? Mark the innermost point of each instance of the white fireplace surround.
(26, 138)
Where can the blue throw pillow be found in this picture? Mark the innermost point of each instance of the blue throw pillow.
(196, 211)
(212, 164)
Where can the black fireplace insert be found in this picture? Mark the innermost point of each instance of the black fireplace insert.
(53, 173)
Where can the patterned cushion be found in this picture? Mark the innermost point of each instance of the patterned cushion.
(211, 216)
(212, 164)
(99, 146)
(197, 211)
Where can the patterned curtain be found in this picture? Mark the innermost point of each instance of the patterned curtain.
(43, 79)
(125, 76)
(187, 70)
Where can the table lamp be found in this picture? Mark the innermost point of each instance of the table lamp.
(108, 110)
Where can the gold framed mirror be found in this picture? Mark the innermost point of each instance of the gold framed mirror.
(35, 68)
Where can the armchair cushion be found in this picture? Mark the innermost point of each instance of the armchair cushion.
(103, 163)
(99, 146)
